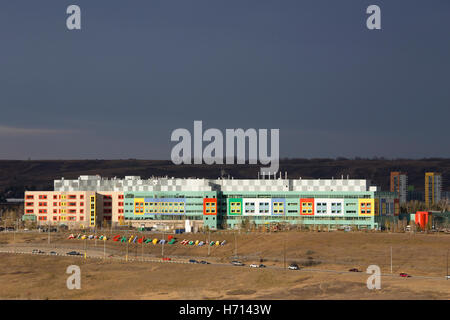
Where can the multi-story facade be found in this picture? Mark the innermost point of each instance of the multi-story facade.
(399, 184)
(433, 188)
(218, 203)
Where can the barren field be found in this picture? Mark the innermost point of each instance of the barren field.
(325, 258)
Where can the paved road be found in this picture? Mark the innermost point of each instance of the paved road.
(97, 254)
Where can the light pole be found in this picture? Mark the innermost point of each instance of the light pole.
(235, 245)
(162, 247)
(209, 239)
(391, 259)
(446, 276)
(48, 232)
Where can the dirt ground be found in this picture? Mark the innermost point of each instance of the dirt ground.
(325, 257)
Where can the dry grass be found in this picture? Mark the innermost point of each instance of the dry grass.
(44, 277)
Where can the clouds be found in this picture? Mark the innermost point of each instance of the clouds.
(18, 131)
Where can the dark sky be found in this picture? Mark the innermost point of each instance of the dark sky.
(140, 69)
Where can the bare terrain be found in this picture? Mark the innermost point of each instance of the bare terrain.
(325, 258)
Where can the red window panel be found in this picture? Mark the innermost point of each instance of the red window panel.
(29, 211)
(42, 196)
(42, 210)
(55, 196)
(209, 206)
(42, 218)
(72, 196)
(120, 204)
(29, 204)
(55, 204)
(120, 196)
(81, 218)
(81, 196)
(72, 211)
(55, 218)
(81, 203)
(81, 210)
(42, 204)
(72, 204)
(30, 197)
(55, 211)
(72, 218)
(120, 210)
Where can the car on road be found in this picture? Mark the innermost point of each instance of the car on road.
(73, 253)
(35, 251)
(166, 259)
(404, 275)
(293, 266)
(193, 261)
(354, 270)
(204, 262)
(237, 263)
(53, 253)
(262, 265)
(254, 265)
(447, 277)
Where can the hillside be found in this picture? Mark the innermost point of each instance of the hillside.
(17, 176)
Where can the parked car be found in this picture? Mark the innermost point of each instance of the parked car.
(35, 251)
(262, 265)
(40, 251)
(166, 259)
(73, 253)
(354, 270)
(237, 263)
(204, 262)
(447, 277)
(193, 261)
(253, 265)
(293, 266)
(404, 275)
(53, 253)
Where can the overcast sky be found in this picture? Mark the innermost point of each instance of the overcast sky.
(140, 69)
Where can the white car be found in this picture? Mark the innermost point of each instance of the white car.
(254, 265)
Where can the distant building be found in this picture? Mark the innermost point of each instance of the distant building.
(399, 184)
(433, 187)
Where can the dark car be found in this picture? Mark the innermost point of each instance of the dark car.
(193, 261)
(354, 270)
(293, 266)
(73, 253)
(35, 251)
(53, 253)
(404, 275)
(262, 265)
(204, 262)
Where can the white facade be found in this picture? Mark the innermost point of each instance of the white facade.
(135, 183)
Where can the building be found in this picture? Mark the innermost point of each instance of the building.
(433, 188)
(93, 201)
(399, 184)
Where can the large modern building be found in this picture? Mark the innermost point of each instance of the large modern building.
(92, 201)
(399, 184)
(433, 188)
